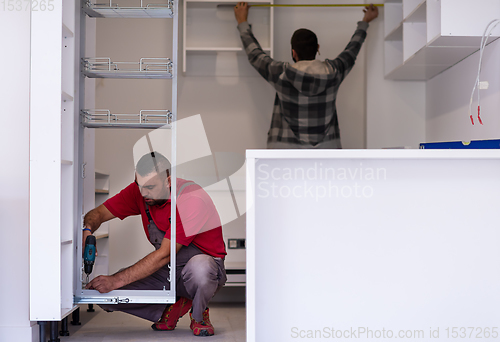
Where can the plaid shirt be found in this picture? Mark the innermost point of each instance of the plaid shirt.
(304, 109)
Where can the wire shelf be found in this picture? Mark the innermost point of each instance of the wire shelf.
(152, 68)
(110, 10)
(148, 119)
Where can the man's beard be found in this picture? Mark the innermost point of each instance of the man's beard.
(156, 202)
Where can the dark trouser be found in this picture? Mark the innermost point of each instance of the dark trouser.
(199, 277)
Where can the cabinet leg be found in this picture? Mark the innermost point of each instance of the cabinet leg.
(54, 337)
(43, 331)
(64, 327)
(76, 317)
(91, 308)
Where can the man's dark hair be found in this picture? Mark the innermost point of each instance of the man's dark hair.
(153, 162)
(305, 44)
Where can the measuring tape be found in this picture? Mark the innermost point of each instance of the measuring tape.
(316, 5)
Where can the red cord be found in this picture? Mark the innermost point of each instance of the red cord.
(471, 119)
(479, 115)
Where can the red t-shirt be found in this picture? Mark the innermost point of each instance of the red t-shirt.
(198, 221)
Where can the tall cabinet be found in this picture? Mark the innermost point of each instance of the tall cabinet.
(61, 148)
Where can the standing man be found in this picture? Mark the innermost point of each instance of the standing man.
(200, 249)
(304, 114)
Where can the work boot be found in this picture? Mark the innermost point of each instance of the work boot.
(171, 315)
(203, 328)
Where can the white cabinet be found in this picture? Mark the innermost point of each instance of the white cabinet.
(425, 37)
(209, 31)
(61, 181)
(370, 236)
(53, 161)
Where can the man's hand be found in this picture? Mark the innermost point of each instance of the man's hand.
(371, 12)
(104, 284)
(241, 12)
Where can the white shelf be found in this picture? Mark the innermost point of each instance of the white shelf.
(66, 162)
(430, 36)
(209, 27)
(145, 11)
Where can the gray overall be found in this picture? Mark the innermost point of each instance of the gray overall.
(199, 277)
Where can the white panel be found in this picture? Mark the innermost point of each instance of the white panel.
(466, 18)
(394, 16)
(400, 251)
(45, 164)
(433, 19)
(414, 38)
(15, 324)
(393, 55)
(251, 251)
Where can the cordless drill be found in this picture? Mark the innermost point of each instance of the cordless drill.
(89, 255)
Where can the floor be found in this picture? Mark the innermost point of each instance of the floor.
(100, 326)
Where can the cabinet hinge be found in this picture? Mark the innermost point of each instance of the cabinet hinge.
(83, 170)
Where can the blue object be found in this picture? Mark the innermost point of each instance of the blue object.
(473, 145)
(89, 254)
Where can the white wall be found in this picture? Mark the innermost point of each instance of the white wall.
(448, 98)
(236, 111)
(395, 110)
(14, 178)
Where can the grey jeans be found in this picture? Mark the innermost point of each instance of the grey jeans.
(199, 277)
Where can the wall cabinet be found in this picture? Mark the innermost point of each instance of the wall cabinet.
(425, 37)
